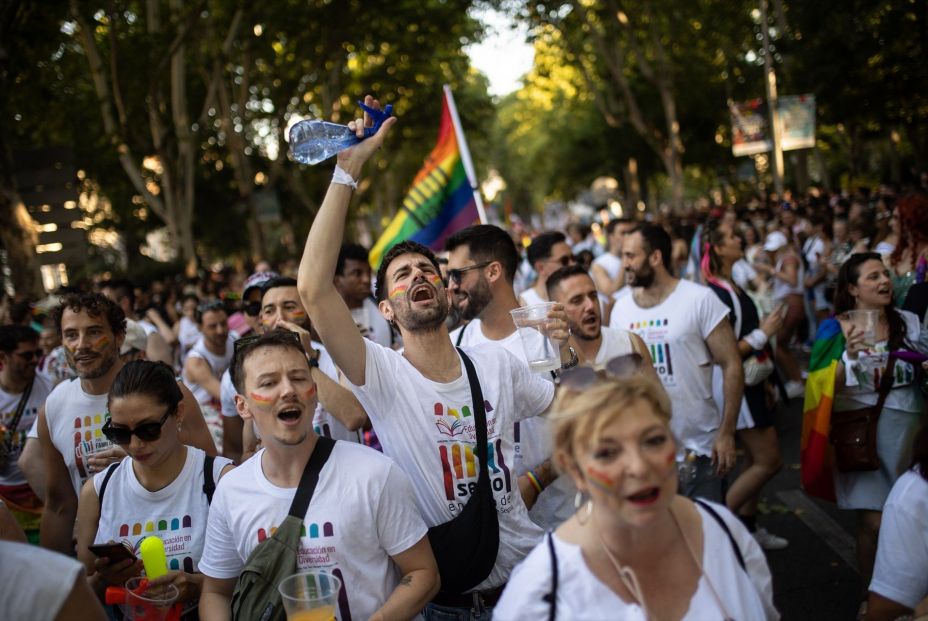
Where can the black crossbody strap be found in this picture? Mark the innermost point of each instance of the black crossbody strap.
(20, 409)
(304, 493)
(721, 522)
(209, 484)
(460, 338)
(106, 479)
(480, 415)
(551, 597)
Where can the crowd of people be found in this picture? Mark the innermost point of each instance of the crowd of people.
(394, 415)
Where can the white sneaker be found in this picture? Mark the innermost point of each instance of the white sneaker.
(769, 541)
(795, 389)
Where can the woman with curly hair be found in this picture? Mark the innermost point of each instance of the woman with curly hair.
(909, 260)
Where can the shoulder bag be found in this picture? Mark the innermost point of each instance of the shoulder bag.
(6, 443)
(256, 597)
(466, 547)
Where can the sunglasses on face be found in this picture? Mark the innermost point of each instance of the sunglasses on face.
(580, 378)
(457, 274)
(252, 309)
(31, 354)
(146, 432)
(565, 260)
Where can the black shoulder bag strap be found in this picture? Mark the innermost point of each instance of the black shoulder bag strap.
(307, 487)
(460, 338)
(721, 522)
(209, 484)
(551, 597)
(106, 479)
(14, 422)
(480, 417)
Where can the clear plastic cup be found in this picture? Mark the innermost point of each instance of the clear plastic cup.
(310, 595)
(541, 350)
(148, 603)
(865, 320)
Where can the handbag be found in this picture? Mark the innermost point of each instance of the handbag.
(466, 547)
(256, 597)
(853, 432)
(757, 368)
(6, 440)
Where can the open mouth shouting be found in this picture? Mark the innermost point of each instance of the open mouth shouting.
(645, 497)
(290, 414)
(421, 293)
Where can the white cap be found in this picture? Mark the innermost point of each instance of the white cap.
(136, 338)
(775, 241)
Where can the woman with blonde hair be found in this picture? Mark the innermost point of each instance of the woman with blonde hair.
(634, 549)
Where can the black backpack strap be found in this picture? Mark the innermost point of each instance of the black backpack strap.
(721, 522)
(209, 484)
(106, 479)
(304, 493)
(480, 415)
(551, 597)
(457, 342)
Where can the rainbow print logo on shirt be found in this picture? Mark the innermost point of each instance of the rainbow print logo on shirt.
(171, 531)
(88, 439)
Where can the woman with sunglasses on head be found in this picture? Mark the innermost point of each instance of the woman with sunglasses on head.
(756, 428)
(634, 549)
(162, 488)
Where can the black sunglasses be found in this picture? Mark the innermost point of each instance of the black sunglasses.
(146, 432)
(580, 378)
(565, 260)
(457, 274)
(30, 354)
(252, 309)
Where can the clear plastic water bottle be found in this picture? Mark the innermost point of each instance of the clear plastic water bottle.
(686, 469)
(313, 141)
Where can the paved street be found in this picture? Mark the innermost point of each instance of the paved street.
(815, 578)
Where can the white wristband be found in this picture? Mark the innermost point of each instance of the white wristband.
(757, 339)
(343, 178)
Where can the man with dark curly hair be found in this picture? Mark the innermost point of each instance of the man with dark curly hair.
(92, 330)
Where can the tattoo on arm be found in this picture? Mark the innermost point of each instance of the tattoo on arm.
(406, 580)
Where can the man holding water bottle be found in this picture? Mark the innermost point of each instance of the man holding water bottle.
(421, 402)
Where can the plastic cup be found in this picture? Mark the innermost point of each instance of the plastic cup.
(310, 595)
(541, 351)
(148, 603)
(865, 320)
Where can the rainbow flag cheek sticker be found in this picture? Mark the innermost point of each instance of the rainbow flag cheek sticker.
(600, 479)
(261, 399)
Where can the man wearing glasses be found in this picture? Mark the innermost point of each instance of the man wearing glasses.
(547, 253)
(71, 428)
(22, 394)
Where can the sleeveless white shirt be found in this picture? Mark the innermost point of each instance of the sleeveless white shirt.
(217, 364)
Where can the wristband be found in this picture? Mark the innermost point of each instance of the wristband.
(341, 177)
(757, 339)
(574, 360)
(536, 483)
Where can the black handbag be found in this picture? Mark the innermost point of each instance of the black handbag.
(853, 432)
(466, 547)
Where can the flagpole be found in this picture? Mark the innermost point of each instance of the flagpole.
(465, 155)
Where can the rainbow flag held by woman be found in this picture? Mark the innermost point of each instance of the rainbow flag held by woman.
(442, 198)
(816, 454)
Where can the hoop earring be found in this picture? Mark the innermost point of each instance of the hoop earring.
(578, 499)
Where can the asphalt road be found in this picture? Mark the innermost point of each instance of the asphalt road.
(815, 577)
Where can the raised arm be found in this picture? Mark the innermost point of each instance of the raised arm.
(316, 277)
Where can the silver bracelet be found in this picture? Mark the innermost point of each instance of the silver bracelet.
(341, 177)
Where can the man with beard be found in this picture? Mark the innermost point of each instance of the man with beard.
(70, 429)
(596, 344)
(420, 402)
(482, 263)
(685, 328)
(22, 395)
(339, 415)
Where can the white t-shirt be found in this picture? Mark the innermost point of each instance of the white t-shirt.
(75, 423)
(530, 297)
(371, 323)
(41, 388)
(743, 273)
(187, 336)
(35, 582)
(901, 569)
(427, 428)
(324, 423)
(176, 513)
(217, 364)
(616, 342)
(610, 263)
(745, 593)
(675, 332)
(532, 436)
(361, 514)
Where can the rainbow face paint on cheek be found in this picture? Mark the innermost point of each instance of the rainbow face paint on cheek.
(398, 292)
(297, 314)
(261, 399)
(600, 479)
(435, 279)
(310, 393)
(102, 342)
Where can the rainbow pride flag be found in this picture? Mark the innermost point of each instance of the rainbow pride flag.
(815, 453)
(441, 199)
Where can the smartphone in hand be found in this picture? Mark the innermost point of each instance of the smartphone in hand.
(116, 552)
